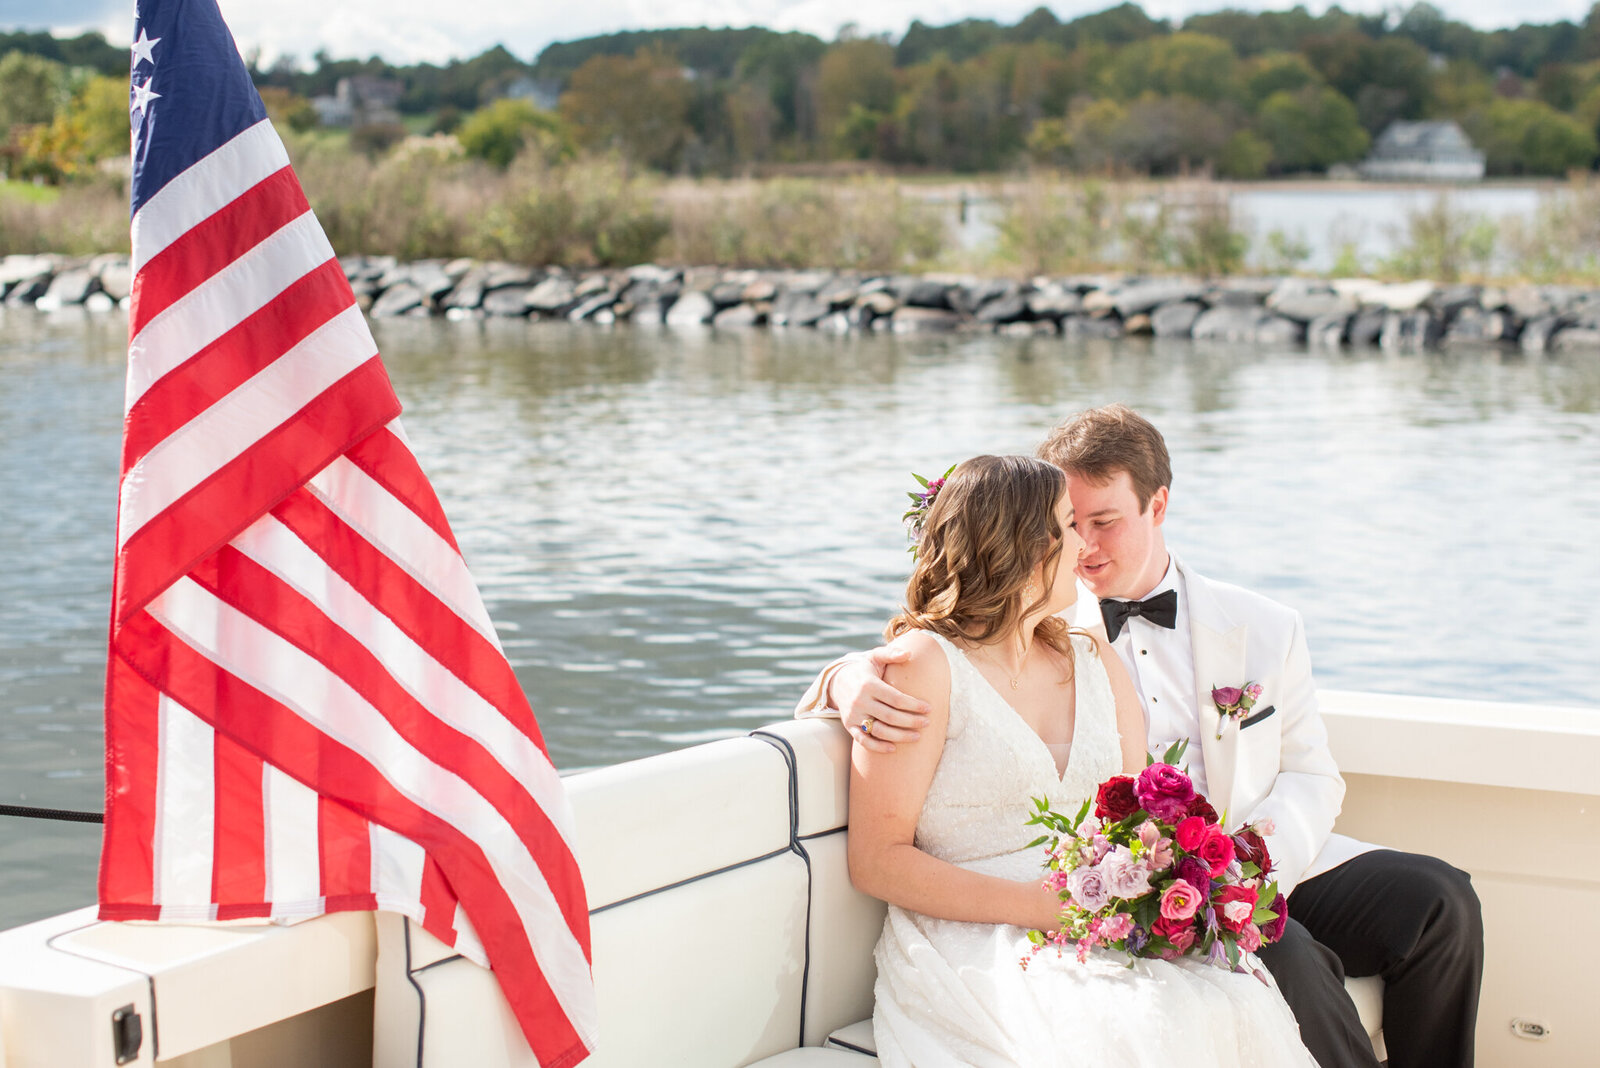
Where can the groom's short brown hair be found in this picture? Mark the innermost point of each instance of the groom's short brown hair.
(1097, 443)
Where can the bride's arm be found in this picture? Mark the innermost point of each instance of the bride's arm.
(1130, 716)
(887, 791)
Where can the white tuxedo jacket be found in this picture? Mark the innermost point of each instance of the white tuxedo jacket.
(1276, 763)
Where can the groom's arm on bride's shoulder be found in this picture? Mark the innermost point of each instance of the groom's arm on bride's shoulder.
(1308, 791)
(1131, 729)
(855, 689)
(887, 792)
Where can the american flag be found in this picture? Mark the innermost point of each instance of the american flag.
(307, 708)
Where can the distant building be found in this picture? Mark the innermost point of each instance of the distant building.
(541, 94)
(361, 100)
(1423, 151)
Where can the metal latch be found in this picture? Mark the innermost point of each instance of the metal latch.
(1525, 1028)
(127, 1034)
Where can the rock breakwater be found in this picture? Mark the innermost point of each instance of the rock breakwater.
(1275, 311)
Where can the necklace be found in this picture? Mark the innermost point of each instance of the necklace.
(1014, 680)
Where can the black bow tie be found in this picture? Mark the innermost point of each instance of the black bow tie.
(1162, 610)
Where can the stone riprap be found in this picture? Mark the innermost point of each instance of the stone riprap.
(1276, 311)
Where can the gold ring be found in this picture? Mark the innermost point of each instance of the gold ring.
(866, 726)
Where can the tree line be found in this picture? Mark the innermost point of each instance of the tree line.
(1237, 94)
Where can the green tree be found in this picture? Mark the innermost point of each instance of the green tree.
(637, 105)
(1458, 89)
(1187, 64)
(855, 80)
(1530, 137)
(32, 90)
(1276, 72)
(92, 126)
(506, 127)
(1311, 128)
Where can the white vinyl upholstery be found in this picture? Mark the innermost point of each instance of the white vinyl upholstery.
(725, 930)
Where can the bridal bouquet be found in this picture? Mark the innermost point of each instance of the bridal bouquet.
(1153, 874)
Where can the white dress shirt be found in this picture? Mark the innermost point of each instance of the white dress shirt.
(1161, 664)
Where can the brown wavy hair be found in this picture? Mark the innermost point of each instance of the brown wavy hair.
(991, 526)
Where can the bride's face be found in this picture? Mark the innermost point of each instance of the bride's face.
(1063, 592)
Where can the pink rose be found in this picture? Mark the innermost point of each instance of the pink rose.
(1249, 938)
(1115, 928)
(1216, 850)
(1179, 901)
(1190, 833)
(1164, 791)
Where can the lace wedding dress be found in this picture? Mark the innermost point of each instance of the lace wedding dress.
(955, 994)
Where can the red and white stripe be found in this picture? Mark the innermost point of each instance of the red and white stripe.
(308, 708)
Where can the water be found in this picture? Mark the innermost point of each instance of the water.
(673, 531)
(1333, 225)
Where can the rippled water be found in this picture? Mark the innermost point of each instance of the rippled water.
(675, 530)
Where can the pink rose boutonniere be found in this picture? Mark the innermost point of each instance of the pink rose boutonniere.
(1233, 702)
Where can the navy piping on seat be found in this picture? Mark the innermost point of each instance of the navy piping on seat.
(782, 745)
(422, 997)
(834, 1040)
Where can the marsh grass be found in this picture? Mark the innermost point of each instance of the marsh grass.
(423, 200)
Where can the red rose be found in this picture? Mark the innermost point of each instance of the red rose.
(1179, 932)
(1272, 930)
(1202, 808)
(1216, 850)
(1115, 800)
(1234, 906)
(1249, 846)
(1190, 833)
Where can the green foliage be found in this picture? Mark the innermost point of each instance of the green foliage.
(1443, 244)
(1182, 64)
(1284, 253)
(1246, 155)
(1311, 128)
(634, 105)
(88, 50)
(1277, 72)
(92, 126)
(854, 78)
(499, 132)
(1530, 137)
(32, 89)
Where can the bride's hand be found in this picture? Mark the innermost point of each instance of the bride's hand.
(1048, 918)
(858, 691)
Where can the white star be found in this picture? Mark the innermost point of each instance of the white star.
(142, 96)
(144, 49)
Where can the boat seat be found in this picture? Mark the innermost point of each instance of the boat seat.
(1366, 992)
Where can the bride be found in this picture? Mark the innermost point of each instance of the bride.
(1022, 708)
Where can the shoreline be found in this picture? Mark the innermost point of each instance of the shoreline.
(1360, 312)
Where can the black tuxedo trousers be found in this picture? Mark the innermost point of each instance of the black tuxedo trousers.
(1412, 920)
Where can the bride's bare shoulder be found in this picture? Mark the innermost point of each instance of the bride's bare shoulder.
(925, 671)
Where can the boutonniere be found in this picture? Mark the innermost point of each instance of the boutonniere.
(1233, 702)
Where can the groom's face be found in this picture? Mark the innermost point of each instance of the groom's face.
(1124, 554)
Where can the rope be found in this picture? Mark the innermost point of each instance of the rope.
(67, 814)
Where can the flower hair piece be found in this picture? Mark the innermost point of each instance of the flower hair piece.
(920, 504)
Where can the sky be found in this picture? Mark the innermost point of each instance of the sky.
(410, 31)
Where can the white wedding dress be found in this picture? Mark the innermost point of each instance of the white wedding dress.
(955, 994)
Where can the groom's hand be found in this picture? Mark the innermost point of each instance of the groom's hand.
(858, 691)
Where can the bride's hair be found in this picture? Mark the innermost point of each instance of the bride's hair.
(992, 524)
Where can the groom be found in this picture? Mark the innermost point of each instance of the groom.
(1354, 909)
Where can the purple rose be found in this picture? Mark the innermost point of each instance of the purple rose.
(1088, 889)
(1195, 872)
(1164, 791)
(1226, 696)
